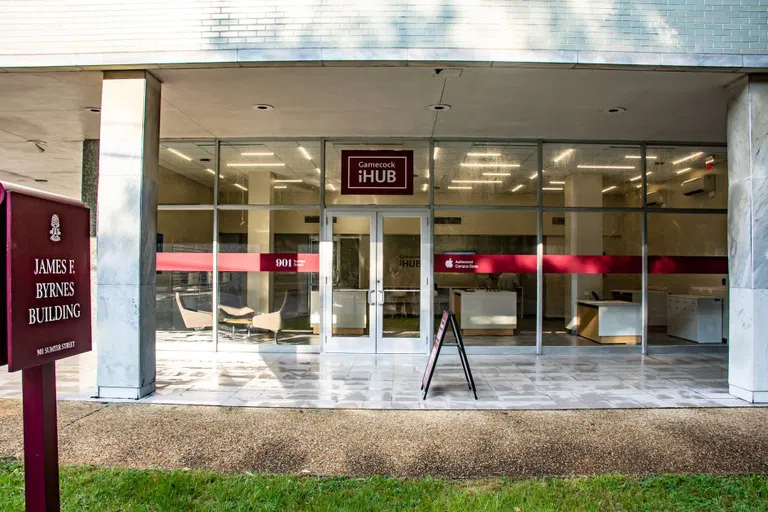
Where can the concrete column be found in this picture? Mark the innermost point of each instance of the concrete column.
(748, 239)
(126, 232)
(260, 231)
(583, 236)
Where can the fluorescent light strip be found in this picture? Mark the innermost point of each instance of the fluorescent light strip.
(483, 154)
(689, 157)
(486, 182)
(211, 171)
(606, 166)
(178, 153)
(638, 157)
(257, 165)
(317, 169)
(557, 183)
(497, 174)
(281, 186)
(425, 187)
(563, 155)
(305, 152)
(681, 171)
(288, 181)
(330, 186)
(459, 188)
(265, 153)
(488, 165)
(640, 176)
(609, 189)
(533, 176)
(435, 152)
(240, 187)
(551, 188)
(518, 187)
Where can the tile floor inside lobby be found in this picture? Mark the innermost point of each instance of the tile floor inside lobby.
(393, 382)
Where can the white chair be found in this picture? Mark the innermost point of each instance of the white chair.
(271, 321)
(192, 318)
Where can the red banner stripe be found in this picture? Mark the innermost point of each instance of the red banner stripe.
(449, 263)
(238, 262)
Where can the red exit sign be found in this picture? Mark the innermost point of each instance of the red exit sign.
(377, 172)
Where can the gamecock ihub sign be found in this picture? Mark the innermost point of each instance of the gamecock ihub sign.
(377, 172)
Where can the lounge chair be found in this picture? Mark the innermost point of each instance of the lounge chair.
(271, 321)
(194, 319)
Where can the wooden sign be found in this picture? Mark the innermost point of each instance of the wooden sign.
(46, 286)
(435, 353)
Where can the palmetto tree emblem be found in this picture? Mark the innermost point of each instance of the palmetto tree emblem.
(55, 228)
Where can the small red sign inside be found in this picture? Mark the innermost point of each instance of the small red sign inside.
(47, 279)
(377, 172)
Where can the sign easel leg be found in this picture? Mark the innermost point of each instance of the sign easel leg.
(41, 451)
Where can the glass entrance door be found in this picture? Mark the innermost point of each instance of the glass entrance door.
(376, 277)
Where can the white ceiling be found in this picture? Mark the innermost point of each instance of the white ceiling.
(361, 102)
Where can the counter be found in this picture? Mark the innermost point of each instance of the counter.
(485, 312)
(696, 318)
(657, 304)
(610, 321)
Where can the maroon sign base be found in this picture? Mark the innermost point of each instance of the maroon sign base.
(41, 451)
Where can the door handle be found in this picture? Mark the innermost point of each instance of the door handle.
(371, 298)
(381, 302)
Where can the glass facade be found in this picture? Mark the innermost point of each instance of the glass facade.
(530, 244)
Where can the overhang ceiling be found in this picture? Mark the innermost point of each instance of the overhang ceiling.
(362, 102)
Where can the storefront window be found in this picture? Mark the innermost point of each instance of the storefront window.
(268, 278)
(485, 272)
(687, 177)
(185, 173)
(688, 279)
(263, 173)
(485, 173)
(592, 175)
(592, 279)
(184, 278)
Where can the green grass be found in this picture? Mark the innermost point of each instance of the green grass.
(104, 490)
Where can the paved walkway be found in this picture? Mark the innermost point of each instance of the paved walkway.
(393, 382)
(455, 444)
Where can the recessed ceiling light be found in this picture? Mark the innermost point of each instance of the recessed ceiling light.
(305, 152)
(241, 187)
(640, 176)
(606, 166)
(609, 189)
(563, 155)
(262, 106)
(557, 183)
(681, 171)
(689, 157)
(463, 164)
(211, 171)
(258, 165)
(425, 187)
(288, 181)
(435, 152)
(518, 187)
(281, 186)
(180, 154)
(93, 110)
(497, 174)
(533, 176)
(439, 107)
(637, 157)
(459, 188)
(262, 153)
(614, 110)
(483, 154)
(552, 188)
(317, 169)
(484, 182)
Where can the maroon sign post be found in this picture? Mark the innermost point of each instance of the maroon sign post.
(47, 313)
(377, 172)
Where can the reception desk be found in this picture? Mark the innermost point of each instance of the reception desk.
(350, 312)
(657, 304)
(695, 318)
(610, 321)
(485, 312)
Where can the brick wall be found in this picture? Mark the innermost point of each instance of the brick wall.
(132, 27)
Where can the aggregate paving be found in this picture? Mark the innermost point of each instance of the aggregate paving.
(453, 444)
